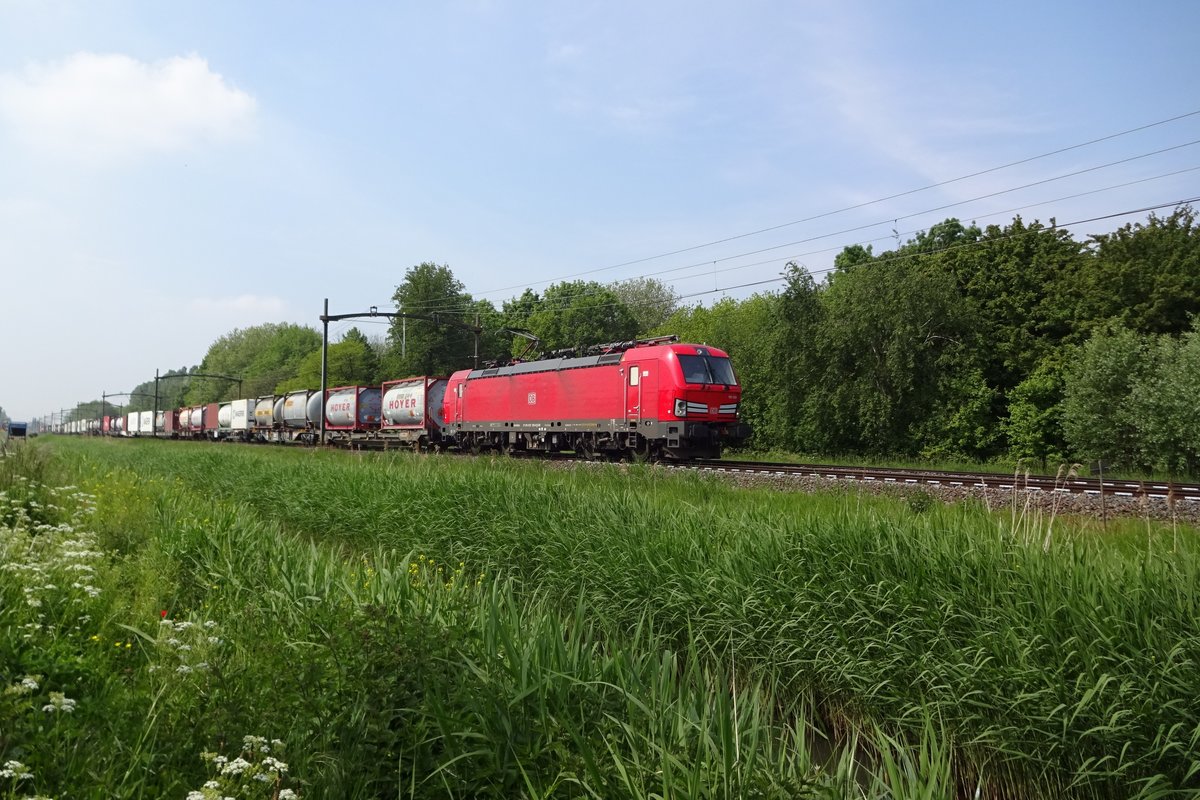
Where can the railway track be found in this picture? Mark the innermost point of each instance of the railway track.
(1156, 490)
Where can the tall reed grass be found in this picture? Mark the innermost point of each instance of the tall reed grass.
(949, 649)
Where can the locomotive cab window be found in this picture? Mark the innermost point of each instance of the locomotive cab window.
(707, 369)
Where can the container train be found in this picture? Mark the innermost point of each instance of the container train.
(649, 398)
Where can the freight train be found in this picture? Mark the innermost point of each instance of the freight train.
(648, 398)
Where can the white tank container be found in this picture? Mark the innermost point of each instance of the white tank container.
(196, 418)
(357, 406)
(410, 403)
(225, 416)
(295, 409)
(264, 412)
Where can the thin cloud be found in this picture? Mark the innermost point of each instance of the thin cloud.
(104, 107)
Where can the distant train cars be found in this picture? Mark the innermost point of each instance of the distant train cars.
(650, 398)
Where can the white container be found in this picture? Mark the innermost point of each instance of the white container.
(131, 423)
(264, 412)
(225, 416)
(196, 418)
(146, 423)
(409, 403)
(354, 407)
(295, 412)
(243, 415)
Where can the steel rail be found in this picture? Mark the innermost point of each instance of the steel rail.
(1110, 487)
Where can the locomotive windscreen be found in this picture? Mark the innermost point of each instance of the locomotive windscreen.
(707, 369)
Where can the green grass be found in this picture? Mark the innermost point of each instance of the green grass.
(454, 627)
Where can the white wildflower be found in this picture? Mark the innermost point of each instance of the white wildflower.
(235, 767)
(272, 763)
(59, 702)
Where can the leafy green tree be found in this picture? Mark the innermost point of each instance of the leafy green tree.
(1146, 277)
(263, 356)
(1035, 415)
(580, 313)
(351, 362)
(1099, 419)
(890, 326)
(428, 347)
(1164, 402)
(514, 315)
(1020, 283)
(172, 390)
(796, 419)
(649, 300)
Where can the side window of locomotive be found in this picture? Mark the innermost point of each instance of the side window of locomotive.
(634, 372)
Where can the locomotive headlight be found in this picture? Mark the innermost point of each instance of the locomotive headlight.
(680, 407)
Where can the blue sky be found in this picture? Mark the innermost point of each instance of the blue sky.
(171, 171)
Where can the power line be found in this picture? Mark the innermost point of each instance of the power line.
(463, 309)
(433, 304)
(870, 202)
(897, 257)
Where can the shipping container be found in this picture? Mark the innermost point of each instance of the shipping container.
(264, 412)
(352, 408)
(243, 414)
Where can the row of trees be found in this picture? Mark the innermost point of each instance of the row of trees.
(1014, 341)
(977, 343)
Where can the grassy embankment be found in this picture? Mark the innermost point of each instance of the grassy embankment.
(443, 627)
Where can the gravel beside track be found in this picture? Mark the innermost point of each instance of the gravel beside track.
(1007, 501)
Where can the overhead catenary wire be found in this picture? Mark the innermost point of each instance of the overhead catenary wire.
(430, 305)
(708, 263)
(868, 203)
(889, 258)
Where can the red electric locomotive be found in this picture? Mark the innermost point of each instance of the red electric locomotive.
(650, 398)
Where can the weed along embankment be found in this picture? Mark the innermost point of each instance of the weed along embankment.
(449, 627)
